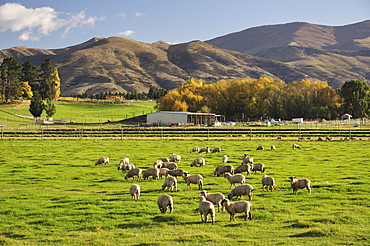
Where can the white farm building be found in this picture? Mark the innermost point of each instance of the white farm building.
(170, 118)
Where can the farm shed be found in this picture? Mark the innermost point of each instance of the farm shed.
(169, 118)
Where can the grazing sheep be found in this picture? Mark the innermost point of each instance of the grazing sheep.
(135, 191)
(247, 159)
(233, 179)
(205, 149)
(299, 184)
(258, 167)
(268, 182)
(195, 149)
(296, 146)
(176, 173)
(206, 208)
(158, 164)
(165, 201)
(134, 172)
(199, 161)
(240, 191)
(193, 179)
(174, 158)
(216, 150)
(214, 198)
(225, 159)
(163, 172)
(243, 168)
(124, 161)
(222, 169)
(125, 167)
(170, 183)
(154, 172)
(170, 165)
(260, 148)
(237, 207)
(165, 160)
(102, 160)
(273, 147)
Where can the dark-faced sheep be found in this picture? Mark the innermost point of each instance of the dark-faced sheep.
(215, 198)
(240, 191)
(198, 161)
(268, 182)
(170, 183)
(154, 172)
(234, 179)
(222, 169)
(205, 149)
(258, 167)
(102, 160)
(299, 184)
(193, 179)
(243, 168)
(195, 149)
(260, 148)
(216, 150)
(135, 191)
(296, 146)
(206, 208)
(237, 207)
(273, 147)
(163, 202)
(134, 172)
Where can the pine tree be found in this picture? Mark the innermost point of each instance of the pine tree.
(36, 105)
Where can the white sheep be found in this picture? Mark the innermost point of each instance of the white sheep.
(296, 146)
(198, 161)
(247, 159)
(225, 159)
(163, 202)
(243, 168)
(237, 207)
(258, 167)
(124, 161)
(163, 172)
(158, 164)
(222, 169)
(154, 172)
(170, 165)
(268, 182)
(216, 150)
(165, 160)
(206, 208)
(193, 179)
(177, 173)
(260, 148)
(233, 179)
(205, 149)
(102, 160)
(170, 183)
(215, 198)
(175, 158)
(135, 191)
(195, 149)
(134, 172)
(125, 167)
(299, 184)
(240, 191)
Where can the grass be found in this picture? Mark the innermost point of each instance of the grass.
(53, 194)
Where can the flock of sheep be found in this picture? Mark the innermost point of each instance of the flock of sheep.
(168, 167)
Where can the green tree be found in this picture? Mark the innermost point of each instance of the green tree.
(49, 81)
(36, 105)
(50, 108)
(30, 74)
(356, 96)
(10, 74)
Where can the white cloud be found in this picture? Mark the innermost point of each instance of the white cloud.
(127, 33)
(139, 14)
(121, 16)
(39, 22)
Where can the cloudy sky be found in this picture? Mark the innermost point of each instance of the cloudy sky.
(53, 24)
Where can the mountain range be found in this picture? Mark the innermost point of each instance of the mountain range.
(290, 52)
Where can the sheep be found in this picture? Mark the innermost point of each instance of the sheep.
(268, 182)
(299, 184)
(102, 160)
(165, 160)
(154, 172)
(194, 179)
(163, 172)
(273, 147)
(170, 165)
(296, 146)
(134, 172)
(205, 149)
(258, 167)
(163, 202)
(206, 208)
(225, 159)
(125, 167)
(176, 173)
(247, 159)
(237, 207)
(214, 198)
(241, 190)
(233, 179)
(216, 150)
(135, 191)
(195, 149)
(260, 148)
(222, 169)
(199, 161)
(243, 168)
(158, 164)
(174, 158)
(124, 161)
(170, 183)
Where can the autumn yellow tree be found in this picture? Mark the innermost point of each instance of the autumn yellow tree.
(25, 90)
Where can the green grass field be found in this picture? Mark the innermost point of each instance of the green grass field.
(53, 194)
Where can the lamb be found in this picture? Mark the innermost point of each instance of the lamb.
(174, 158)
(163, 172)
(214, 198)
(134, 172)
(233, 179)
(195, 149)
(240, 191)
(205, 149)
(135, 191)
(296, 146)
(237, 207)
(170, 165)
(193, 179)
(273, 147)
(197, 161)
(299, 184)
(176, 173)
(260, 148)
(222, 169)
(163, 202)
(258, 167)
(243, 168)
(158, 164)
(170, 183)
(216, 150)
(225, 159)
(206, 208)
(154, 172)
(268, 182)
(102, 160)
(125, 167)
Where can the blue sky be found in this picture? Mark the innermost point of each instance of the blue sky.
(50, 24)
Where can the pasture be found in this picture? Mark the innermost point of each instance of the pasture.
(53, 194)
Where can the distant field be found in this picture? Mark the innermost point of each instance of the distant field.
(53, 194)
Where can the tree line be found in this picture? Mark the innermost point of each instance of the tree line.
(269, 98)
(153, 93)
